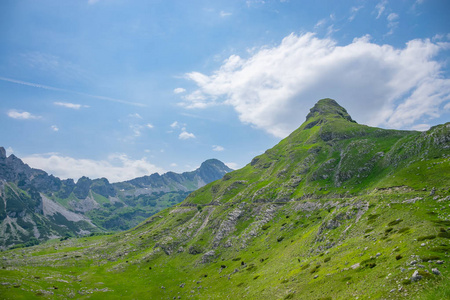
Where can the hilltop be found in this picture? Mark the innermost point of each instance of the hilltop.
(337, 210)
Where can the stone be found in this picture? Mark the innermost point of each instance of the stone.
(435, 271)
(415, 276)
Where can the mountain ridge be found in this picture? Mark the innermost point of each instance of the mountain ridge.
(65, 207)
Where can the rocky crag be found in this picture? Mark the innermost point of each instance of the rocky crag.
(35, 206)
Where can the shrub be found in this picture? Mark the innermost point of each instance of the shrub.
(327, 259)
(405, 229)
(265, 227)
(426, 237)
(395, 222)
(445, 235)
(398, 257)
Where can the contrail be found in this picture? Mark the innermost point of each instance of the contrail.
(46, 87)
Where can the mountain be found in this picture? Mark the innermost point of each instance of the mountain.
(337, 210)
(35, 206)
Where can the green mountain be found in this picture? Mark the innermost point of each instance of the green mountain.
(35, 206)
(337, 210)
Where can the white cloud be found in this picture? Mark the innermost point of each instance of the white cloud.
(380, 7)
(353, 11)
(24, 115)
(173, 165)
(148, 125)
(117, 167)
(224, 14)
(392, 23)
(421, 127)
(54, 128)
(184, 135)
(378, 84)
(232, 165)
(135, 116)
(218, 148)
(320, 23)
(392, 17)
(179, 90)
(174, 124)
(9, 151)
(70, 105)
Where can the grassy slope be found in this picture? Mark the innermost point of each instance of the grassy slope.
(318, 204)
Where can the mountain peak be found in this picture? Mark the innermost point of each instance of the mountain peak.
(328, 108)
(215, 163)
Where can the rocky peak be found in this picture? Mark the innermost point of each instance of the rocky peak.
(2, 153)
(215, 163)
(328, 108)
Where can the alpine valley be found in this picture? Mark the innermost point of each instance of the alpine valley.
(337, 210)
(35, 206)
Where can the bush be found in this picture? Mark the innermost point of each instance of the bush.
(395, 222)
(426, 237)
(398, 257)
(405, 229)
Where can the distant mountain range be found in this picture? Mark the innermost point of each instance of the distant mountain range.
(36, 206)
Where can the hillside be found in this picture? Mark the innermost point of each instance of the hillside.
(337, 210)
(35, 206)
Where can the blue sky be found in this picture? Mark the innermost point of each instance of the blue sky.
(120, 89)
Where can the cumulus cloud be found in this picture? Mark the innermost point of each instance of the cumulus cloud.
(70, 105)
(22, 115)
(379, 85)
(179, 90)
(218, 148)
(117, 167)
(184, 135)
(54, 128)
(174, 124)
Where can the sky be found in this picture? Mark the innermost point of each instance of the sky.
(125, 88)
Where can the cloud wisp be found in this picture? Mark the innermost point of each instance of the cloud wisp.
(70, 105)
(117, 167)
(380, 85)
(46, 87)
(22, 115)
